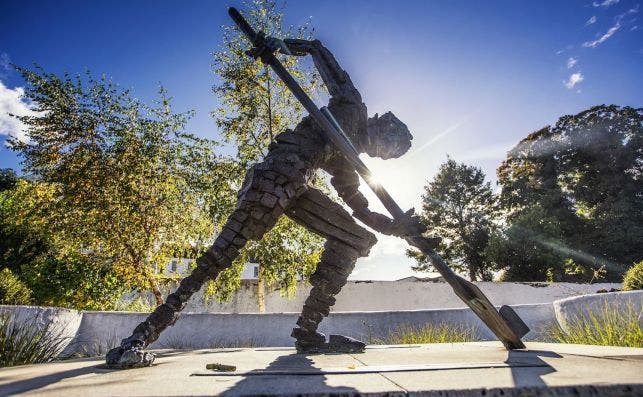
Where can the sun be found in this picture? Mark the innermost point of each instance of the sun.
(398, 177)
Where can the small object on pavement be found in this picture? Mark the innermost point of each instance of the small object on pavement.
(221, 367)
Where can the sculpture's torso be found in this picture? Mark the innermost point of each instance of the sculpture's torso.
(308, 143)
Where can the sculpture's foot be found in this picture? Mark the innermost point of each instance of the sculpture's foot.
(309, 342)
(345, 344)
(315, 343)
(119, 358)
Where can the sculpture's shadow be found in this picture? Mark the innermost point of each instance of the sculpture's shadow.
(296, 375)
(528, 368)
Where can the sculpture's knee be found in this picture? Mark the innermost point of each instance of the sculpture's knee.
(359, 246)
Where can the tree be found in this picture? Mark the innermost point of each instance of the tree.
(12, 290)
(42, 261)
(255, 107)
(458, 206)
(127, 186)
(8, 179)
(583, 174)
(528, 249)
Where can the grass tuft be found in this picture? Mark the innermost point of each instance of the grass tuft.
(431, 333)
(28, 341)
(607, 327)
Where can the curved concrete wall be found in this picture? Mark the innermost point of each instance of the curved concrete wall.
(63, 323)
(628, 304)
(100, 330)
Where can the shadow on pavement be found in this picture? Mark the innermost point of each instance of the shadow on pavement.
(255, 384)
(532, 374)
(35, 383)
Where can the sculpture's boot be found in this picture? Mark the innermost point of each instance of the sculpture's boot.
(309, 342)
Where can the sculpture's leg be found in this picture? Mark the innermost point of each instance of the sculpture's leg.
(346, 242)
(262, 200)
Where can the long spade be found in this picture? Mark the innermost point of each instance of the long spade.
(505, 324)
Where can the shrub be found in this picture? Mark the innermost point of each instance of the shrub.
(138, 305)
(431, 333)
(633, 279)
(608, 327)
(12, 290)
(28, 341)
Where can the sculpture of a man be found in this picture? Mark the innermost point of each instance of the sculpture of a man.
(279, 186)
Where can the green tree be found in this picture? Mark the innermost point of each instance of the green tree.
(128, 186)
(42, 261)
(8, 179)
(458, 206)
(255, 107)
(584, 175)
(527, 250)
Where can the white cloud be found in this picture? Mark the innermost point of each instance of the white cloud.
(12, 101)
(571, 61)
(591, 21)
(603, 38)
(605, 3)
(610, 32)
(574, 79)
(633, 28)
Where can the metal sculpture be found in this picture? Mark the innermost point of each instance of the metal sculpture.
(280, 186)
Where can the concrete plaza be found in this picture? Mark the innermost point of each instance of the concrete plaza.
(462, 369)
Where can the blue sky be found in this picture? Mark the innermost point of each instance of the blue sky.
(469, 78)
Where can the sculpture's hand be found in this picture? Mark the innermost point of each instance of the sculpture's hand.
(408, 225)
(265, 44)
(277, 45)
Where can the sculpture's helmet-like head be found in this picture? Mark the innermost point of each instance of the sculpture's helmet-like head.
(388, 137)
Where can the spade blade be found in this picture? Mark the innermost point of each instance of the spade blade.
(514, 321)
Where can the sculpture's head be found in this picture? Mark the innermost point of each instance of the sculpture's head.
(387, 137)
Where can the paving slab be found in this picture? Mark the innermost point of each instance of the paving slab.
(460, 369)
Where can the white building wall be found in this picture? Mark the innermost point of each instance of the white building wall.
(181, 267)
(393, 295)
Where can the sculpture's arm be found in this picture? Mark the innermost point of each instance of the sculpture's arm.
(346, 181)
(337, 81)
